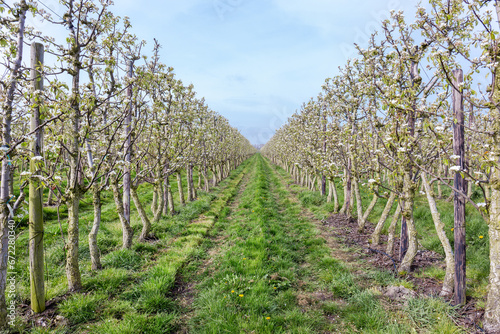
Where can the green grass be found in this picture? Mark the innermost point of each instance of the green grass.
(82, 307)
(272, 262)
(357, 292)
(477, 248)
(130, 293)
(265, 277)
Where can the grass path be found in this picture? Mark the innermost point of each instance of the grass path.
(258, 281)
(271, 270)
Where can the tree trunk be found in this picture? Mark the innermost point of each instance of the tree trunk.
(346, 208)
(323, 185)
(383, 218)
(344, 186)
(159, 208)
(440, 172)
(194, 195)
(154, 202)
(95, 254)
(72, 266)
(407, 213)
(218, 173)
(73, 191)
(335, 196)
(189, 179)
(166, 185)
(330, 192)
(128, 157)
(214, 177)
(371, 206)
(392, 230)
(206, 186)
(126, 228)
(359, 205)
(180, 189)
(171, 205)
(448, 282)
(352, 199)
(146, 224)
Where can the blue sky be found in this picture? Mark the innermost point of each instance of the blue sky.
(255, 61)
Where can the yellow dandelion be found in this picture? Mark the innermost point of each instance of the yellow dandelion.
(241, 295)
(267, 318)
(452, 229)
(480, 237)
(232, 291)
(244, 258)
(274, 288)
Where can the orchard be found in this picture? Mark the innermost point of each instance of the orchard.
(128, 205)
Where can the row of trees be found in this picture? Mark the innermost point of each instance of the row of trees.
(99, 116)
(383, 122)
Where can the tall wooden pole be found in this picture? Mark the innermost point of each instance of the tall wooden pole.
(35, 188)
(459, 183)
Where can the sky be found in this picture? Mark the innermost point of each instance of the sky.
(255, 61)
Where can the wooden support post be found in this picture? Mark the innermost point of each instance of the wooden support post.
(36, 260)
(459, 184)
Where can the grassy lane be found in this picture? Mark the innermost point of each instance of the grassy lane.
(253, 282)
(275, 273)
(198, 267)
